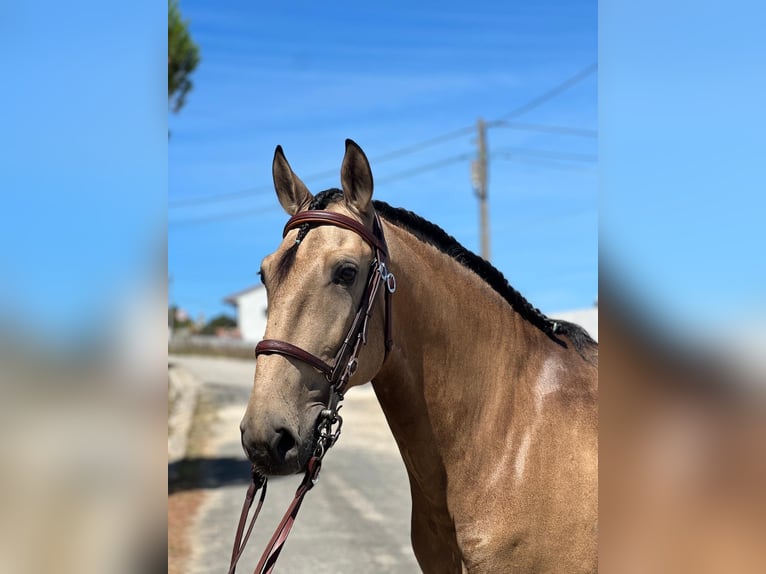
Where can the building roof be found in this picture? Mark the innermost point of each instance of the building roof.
(232, 299)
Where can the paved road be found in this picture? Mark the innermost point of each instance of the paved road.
(355, 520)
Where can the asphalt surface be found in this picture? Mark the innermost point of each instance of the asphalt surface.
(356, 519)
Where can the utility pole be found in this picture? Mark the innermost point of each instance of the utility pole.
(479, 177)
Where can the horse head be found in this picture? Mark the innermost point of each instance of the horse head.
(316, 283)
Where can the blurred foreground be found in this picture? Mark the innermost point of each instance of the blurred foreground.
(82, 447)
(683, 449)
(683, 456)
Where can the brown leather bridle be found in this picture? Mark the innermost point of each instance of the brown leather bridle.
(345, 362)
(338, 374)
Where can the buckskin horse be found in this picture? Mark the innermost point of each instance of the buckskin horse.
(492, 404)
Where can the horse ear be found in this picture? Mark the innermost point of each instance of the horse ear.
(292, 193)
(356, 178)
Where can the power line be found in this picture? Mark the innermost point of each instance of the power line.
(546, 163)
(393, 177)
(226, 215)
(552, 93)
(243, 193)
(480, 164)
(424, 168)
(423, 145)
(509, 153)
(327, 173)
(414, 148)
(562, 130)
(504, 153)
(216, 198)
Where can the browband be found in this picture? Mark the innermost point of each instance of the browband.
(339, 220)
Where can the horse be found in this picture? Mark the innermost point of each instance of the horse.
(493, 405)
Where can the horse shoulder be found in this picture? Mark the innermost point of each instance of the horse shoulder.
(535, 508)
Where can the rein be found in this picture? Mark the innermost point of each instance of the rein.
(338, 374)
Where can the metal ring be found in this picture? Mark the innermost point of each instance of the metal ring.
(391, 283)
(315, 474)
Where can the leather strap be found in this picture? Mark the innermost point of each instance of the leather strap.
(274, 547)
(276, 347)
(339, 220)
(278, 539)
(389, 324)
(256, 482)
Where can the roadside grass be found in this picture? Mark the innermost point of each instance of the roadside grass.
(184, 493)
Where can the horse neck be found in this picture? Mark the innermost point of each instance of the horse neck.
(460, 354)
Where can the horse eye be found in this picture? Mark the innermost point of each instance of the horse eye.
(345, 275)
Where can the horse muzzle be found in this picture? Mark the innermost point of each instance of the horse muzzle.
(275, 449)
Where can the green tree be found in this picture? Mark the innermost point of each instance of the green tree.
(183, 57)
(175, 321)
(216, 322)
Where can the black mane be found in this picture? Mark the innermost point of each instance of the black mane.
(434, 235)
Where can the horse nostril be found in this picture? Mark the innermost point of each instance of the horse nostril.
(284, 443)
(247, 444)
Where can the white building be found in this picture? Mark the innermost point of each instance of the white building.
(251, 312)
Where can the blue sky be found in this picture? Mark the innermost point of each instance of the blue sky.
(83, 168)
(682, 137)
(87, 169)
(309, 75)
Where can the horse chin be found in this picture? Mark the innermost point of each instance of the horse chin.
(269, 469)
(294, 463)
